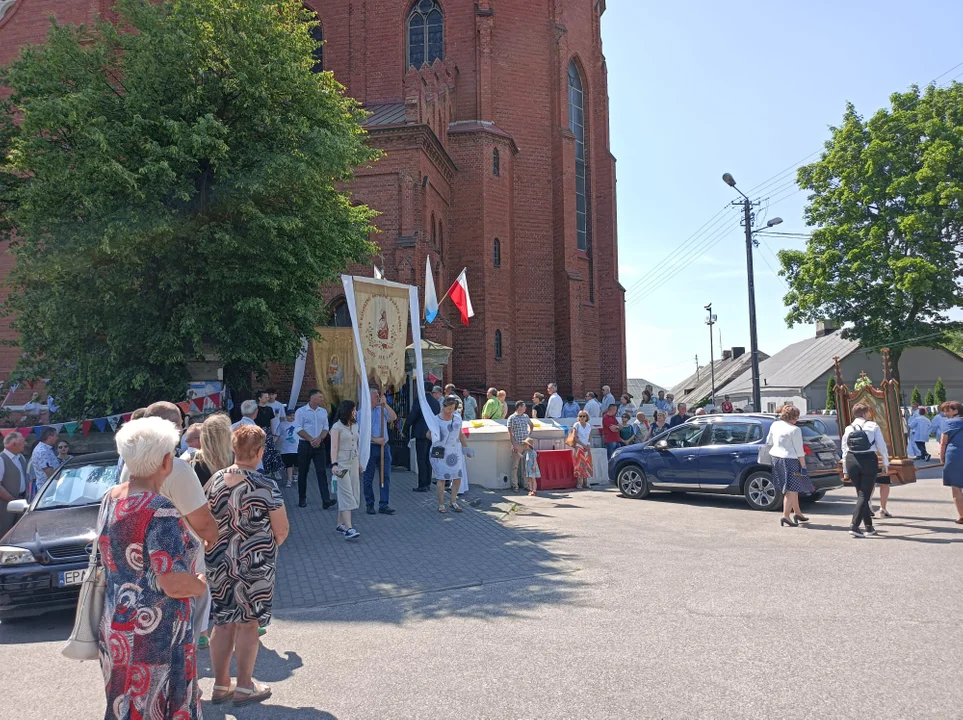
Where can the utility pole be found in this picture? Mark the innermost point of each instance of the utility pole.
(697, 368)
(712, 354)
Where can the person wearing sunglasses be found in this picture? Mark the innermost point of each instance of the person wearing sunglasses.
(63, 451)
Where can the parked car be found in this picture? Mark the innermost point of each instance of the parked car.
(719, 454)
(44, 556)
(828, 425)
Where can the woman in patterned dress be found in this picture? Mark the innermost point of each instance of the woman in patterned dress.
(146, 637)
(251, 524)
(785, 443)
(451, 465)
(580, 441)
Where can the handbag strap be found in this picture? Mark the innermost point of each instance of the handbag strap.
(101, 522)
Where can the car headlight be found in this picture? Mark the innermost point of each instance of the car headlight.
(10, 555)
(617, 452)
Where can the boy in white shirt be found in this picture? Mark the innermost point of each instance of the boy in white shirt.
(289, 445)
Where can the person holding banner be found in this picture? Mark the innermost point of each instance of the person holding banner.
(379, 461)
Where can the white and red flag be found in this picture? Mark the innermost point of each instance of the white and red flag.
(458, 293)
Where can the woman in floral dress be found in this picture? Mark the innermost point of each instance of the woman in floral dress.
(147, 652)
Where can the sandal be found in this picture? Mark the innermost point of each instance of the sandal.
(441, 509)
(256, 694)
(226, 693)
(455, 507)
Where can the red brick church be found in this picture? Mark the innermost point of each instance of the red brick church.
(493, 115)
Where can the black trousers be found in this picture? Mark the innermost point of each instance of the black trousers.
(307, 455)
(862, 469)
(423, 453)
(921, 446)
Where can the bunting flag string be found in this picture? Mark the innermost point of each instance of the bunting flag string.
(197, 404)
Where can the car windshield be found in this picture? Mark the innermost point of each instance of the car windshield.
(78, 485)
(809, 430)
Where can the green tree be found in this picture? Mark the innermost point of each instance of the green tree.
(174, 184)
(916, 397)
(886, 199)
(930, 398)
(939, 392)
(831, 393)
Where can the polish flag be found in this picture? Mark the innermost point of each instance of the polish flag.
(459, 295)
(431, 299)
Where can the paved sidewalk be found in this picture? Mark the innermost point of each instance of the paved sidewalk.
(416, 550)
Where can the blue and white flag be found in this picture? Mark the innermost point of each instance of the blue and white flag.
(431, 300)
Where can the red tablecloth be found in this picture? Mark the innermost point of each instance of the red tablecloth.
(557, 469)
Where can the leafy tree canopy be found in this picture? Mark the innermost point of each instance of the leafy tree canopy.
(939, 391)
(886, 199)
(173, 182)
(917, 396)
(831, 393)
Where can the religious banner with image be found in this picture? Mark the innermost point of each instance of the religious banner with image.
(334, 365)
(381, 309)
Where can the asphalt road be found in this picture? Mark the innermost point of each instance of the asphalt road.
(672, 607)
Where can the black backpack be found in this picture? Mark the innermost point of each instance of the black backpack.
(859, 441)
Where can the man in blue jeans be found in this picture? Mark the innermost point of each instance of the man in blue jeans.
(381, 415)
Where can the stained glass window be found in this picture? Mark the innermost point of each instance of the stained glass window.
(426, 33)
(317, 34)
(576, 123)
(498, 344)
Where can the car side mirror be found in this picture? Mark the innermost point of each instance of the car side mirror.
(662, 445)
(17, 507)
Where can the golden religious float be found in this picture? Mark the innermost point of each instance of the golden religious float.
(884, 409)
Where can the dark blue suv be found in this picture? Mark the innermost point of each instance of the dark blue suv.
(719, 454)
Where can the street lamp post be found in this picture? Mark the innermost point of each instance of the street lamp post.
(747, 206)
(712, 355)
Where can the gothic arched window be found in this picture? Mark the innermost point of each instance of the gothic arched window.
(496, 162)
(340, 315)
(576, 123)
(317, 34)
(498, 344)
(498, 253)
(426, 33)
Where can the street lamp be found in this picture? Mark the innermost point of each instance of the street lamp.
(712, 359)
(747, 206)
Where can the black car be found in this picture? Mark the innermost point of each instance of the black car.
(44, 556)
(719, 454)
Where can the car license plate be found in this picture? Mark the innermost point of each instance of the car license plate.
(72, 577)
(828, 457)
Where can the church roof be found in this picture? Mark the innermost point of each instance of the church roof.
(385, 114)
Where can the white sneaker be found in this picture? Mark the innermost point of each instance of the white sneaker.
(341, 529)
(885, 513)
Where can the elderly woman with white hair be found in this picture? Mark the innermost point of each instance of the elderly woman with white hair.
(146, 638)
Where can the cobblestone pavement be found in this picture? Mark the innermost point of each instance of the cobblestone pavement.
(416, 550)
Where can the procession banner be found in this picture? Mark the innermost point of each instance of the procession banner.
(381, 310)
(334, 364)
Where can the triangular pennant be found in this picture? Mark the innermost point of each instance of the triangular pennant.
(198, 404)
(7, 431)
(71, 427)
(59, 427)
(215, 399)
(101, 424)
(126, 417)
(39, 429)
(25, 431)
(30, 384)
(114, 421)
(85, 427)
(184, 406)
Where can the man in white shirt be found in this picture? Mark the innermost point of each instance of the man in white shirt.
(248, 413)
(860, 444)
(311, 426)
(191, 442)
(13, 482)
(607, 398)
(279, 407)
(592, 406)
(554, 408)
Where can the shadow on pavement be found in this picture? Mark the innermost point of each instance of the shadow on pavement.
(262, 711)
(52, 627)
(271, 666)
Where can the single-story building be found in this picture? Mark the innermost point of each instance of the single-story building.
(799, 373)
(727, 368)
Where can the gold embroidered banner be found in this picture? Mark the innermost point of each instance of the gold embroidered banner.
(382, 313)
(334, 365)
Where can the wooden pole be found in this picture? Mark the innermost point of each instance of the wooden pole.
(384, 437)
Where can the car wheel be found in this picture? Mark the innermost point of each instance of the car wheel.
(761, 493)
(815, 497)
(632, 482)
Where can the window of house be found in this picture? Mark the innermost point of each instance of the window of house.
(576, 123)
(426, 33)
(496, 161)
(498, 344)
(317, 34)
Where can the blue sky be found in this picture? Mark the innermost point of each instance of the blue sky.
(702, 88)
